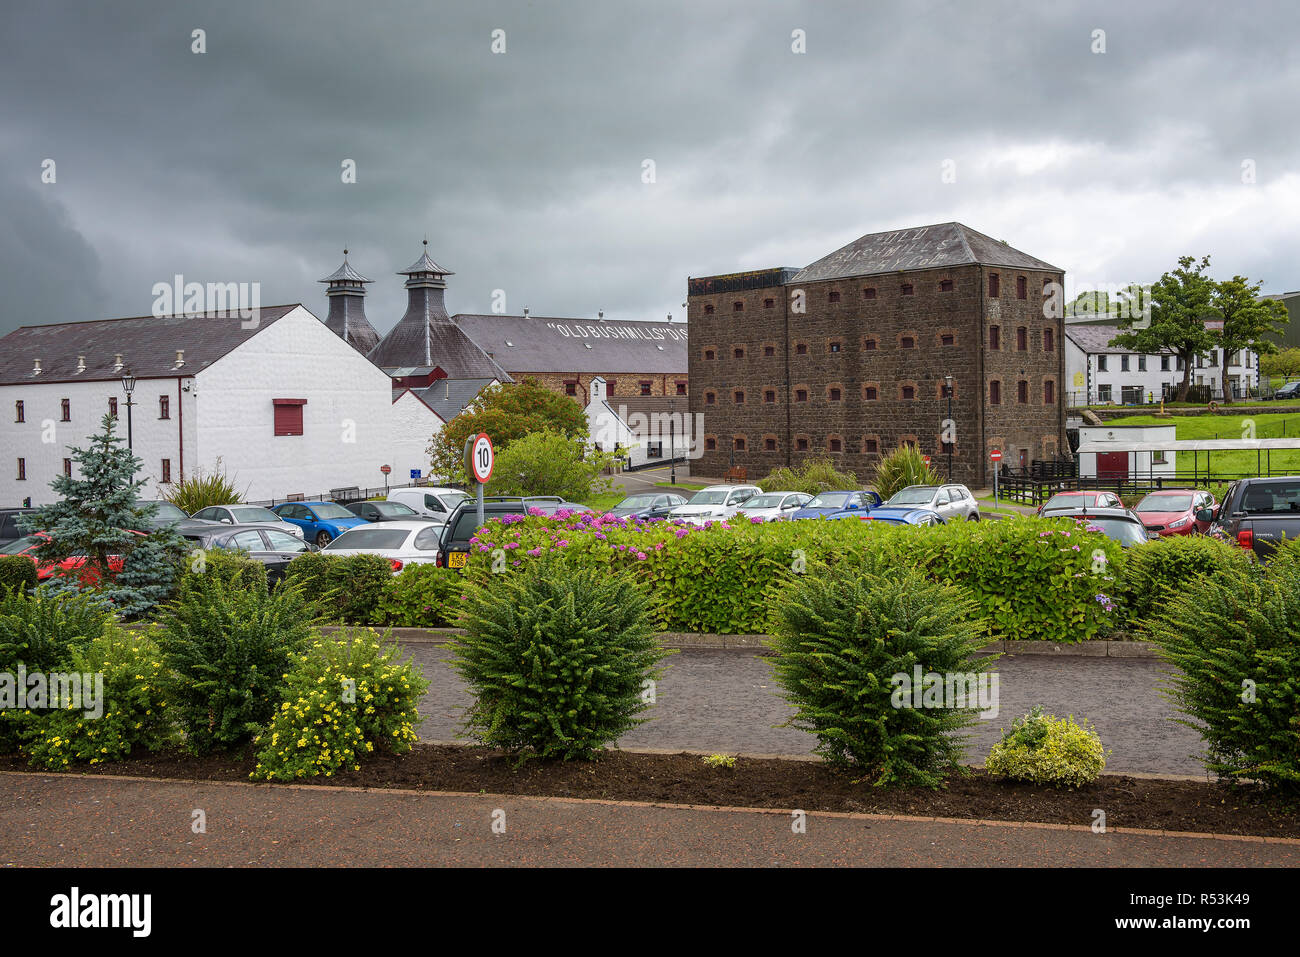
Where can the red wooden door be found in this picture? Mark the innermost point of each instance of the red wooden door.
(1112, 465)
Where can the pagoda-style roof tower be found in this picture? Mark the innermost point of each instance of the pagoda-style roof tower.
(346, 290)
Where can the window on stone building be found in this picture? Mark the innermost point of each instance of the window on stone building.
(738, 352)
(995, 337)
(1022, 339)
(833, 297)
(570, 388)
(834, 394)
(801, 395)
(870, 393)
(1022, 392)
(769, 445)
(871, 446)
(869, 345)
(909, 392)
(769, 303)
(1049, 392)
(906, 289)
(710, 398)
(739, 397)
(737, 307)
(869, 292)
(835, 347)
(681, 388)
(769, 351)
(739, 443)
(801, 349)
(710, 444)
(801, 445)
(769, 395)
(836, 445)
(945, 285)
(993, 285)
(1049, 340)
(947, 339)
(611, 386)
(645, 386)
(709, 355)
(907, 342)
(995, 393)
(708, 309)
(1022, 287)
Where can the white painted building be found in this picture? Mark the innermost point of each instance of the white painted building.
(1098, 460)
(1097, 373)
(283, 404)
(646, 430)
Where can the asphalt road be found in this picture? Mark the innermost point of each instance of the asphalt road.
(68, 821)
(727, 701)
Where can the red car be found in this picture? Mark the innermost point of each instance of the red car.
(1172, 511)
(73, 565)
(1083, 498)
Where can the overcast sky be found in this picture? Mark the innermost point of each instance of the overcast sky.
(525, 168)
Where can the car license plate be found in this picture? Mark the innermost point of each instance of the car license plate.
(457, 559)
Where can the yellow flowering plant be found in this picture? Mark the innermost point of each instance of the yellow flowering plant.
(344, 695)
(1044, 749)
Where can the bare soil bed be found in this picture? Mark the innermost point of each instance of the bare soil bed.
(1198, 806)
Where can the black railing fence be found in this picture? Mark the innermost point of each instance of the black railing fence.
(1026, 489)
(351, 493)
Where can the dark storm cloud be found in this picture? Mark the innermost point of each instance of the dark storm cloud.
(524, 169)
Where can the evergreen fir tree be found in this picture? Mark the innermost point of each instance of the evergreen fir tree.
(98, 515)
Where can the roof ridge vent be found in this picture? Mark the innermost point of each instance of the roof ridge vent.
(81, 364)
(36, 367)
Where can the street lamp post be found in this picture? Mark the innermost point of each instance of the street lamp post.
(672, 443)
(947, 387)
(128, 386)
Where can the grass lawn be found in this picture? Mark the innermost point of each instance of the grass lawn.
(603, 502)
(1278, 425)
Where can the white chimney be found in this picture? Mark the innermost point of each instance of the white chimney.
(117, 362)
(180, 358)
(36, 367)
(81, 363)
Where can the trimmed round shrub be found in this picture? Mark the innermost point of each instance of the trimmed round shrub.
(1044, 749)
(346, 589)
(132, 715)
(17, 572)
(850, 645)
(228, 647)
(345, 695)
(1151, 574)
(422, 596)
(232, 567)
(560, 660)
(1235, 642)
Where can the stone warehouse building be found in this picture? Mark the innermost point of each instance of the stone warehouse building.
(847, 357)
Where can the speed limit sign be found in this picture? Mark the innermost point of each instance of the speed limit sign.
(481, 458)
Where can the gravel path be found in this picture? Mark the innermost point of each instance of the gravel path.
(728, 701)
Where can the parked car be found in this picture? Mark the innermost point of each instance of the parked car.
(269, 544)
(848, 503)
(547, 504)
(1174, 511)
(72, 566)
(775, 506)
(454, 535)
(384, 512)
(1257, 513)
(1084, 498)
(903, 515)
(320, 522)
(717, 503)
(9, 531)
(1289, 391)
(401, 542)
(946, 501)
(245, 515)
(434, 503)
(1118, 524)
(648, 505)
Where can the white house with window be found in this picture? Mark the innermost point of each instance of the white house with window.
(282, 402)
(1097, 373)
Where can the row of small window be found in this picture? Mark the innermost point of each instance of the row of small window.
(906, 392)
(643, 385)
(67, 469)
(907, 342)
(164, 408)
(904, 289)
(1171, 363)
(869, 446)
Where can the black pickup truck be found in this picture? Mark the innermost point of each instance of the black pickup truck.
(1257, 513)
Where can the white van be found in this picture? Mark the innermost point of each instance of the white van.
(432, 503)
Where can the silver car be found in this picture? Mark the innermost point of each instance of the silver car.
(949, 501)
(245, 515)
(774, 506)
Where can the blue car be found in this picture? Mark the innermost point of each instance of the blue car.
(904, 515)
(321, 522)
(846, 504)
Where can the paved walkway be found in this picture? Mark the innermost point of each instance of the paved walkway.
(728, 701)
(64, 821)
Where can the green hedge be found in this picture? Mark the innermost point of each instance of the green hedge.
(1151, 575)
(17, 571)
(346, 589)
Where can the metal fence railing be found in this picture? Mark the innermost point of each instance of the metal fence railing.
(351, 493)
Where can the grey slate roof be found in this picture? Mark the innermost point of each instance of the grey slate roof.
(924, 247)
(448, 397)
(1095, 339)
(345, 273)
(425, 264)
(647, 405)
(526, 344)
(147, 344)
